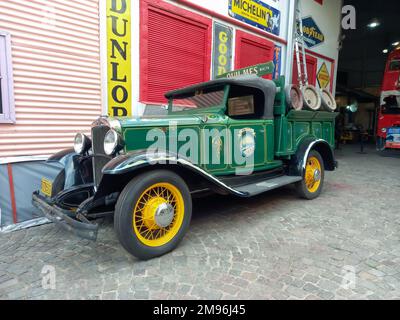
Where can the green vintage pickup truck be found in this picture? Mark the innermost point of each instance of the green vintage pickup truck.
(233, 136)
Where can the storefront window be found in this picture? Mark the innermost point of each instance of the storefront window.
(199, 100)
(394, 65)
(1, 100)
(7, 114)
(177, 44)
(392, 105)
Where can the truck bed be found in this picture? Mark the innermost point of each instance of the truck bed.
(290, 129)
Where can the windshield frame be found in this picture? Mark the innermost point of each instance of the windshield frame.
(213, 109)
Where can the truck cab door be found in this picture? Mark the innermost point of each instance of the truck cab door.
(249, 144)
(215, 145)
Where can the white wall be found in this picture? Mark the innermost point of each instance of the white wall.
(328, 18)
(221, 7)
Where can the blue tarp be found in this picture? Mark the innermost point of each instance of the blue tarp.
(27, 178)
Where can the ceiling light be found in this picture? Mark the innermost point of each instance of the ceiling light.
(373, 24)
(385, 51)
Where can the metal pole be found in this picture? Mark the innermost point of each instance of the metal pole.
(291, 36)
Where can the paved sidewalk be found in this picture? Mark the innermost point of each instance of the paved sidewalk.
(275, 246)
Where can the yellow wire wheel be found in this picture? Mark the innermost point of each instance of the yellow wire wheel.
(153, 213)
(313, 174)
(158, 214)
(311, 185)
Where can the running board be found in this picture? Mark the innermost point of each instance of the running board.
(264, 186)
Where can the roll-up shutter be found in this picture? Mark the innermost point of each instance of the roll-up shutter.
(252, 50)
(312, 63)
(175, 49)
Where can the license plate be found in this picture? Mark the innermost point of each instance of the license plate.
(47, 187)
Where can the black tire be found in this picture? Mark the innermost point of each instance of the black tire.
(123, 217)
(301, 186)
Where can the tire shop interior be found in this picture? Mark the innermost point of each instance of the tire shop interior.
(368, 78)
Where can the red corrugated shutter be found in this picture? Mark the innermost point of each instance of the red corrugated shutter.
(175, 50)
(252, 50)
(312, 63)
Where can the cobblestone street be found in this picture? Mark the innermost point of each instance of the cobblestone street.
(274, 246)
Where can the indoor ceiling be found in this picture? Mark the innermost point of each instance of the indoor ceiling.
(362, 61)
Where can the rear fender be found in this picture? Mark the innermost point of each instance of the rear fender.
(299, 160)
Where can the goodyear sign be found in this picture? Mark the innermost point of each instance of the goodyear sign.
(258, 70)
(323, 76)
(222, 52)
(257, 13)
(119, 57)
(313, 35)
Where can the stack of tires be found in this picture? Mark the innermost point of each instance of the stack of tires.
(309, 98)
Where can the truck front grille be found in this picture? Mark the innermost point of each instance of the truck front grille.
(100, 159)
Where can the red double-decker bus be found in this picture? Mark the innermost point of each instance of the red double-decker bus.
(388, 126)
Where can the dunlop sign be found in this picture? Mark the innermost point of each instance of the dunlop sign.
(222, 52)
(256, 13)
(258, 70)
(119, 57)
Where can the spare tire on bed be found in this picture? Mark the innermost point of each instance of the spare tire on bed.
(312, 98)
(294, 97)
(328, 101)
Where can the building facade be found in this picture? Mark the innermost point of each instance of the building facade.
(64, 63)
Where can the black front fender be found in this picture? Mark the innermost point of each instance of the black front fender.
(63, 155)
(78, 169)
(120, 170)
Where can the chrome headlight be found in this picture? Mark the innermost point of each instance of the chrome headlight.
(383, 130)
(113, 142)
(82, 143)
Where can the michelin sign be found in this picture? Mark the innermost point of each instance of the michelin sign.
(256, 13)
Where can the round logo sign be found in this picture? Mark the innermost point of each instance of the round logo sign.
(247, 142)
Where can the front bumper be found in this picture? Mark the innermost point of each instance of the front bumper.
(392, 145)
(66, 219)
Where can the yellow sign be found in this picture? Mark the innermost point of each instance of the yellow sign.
(256, 13)
(323, 76)
(47, 187)
(252, 11)
(119, 58)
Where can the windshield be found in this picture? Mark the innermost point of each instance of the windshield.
(394, 65)
(392, 105)
(199, 100)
